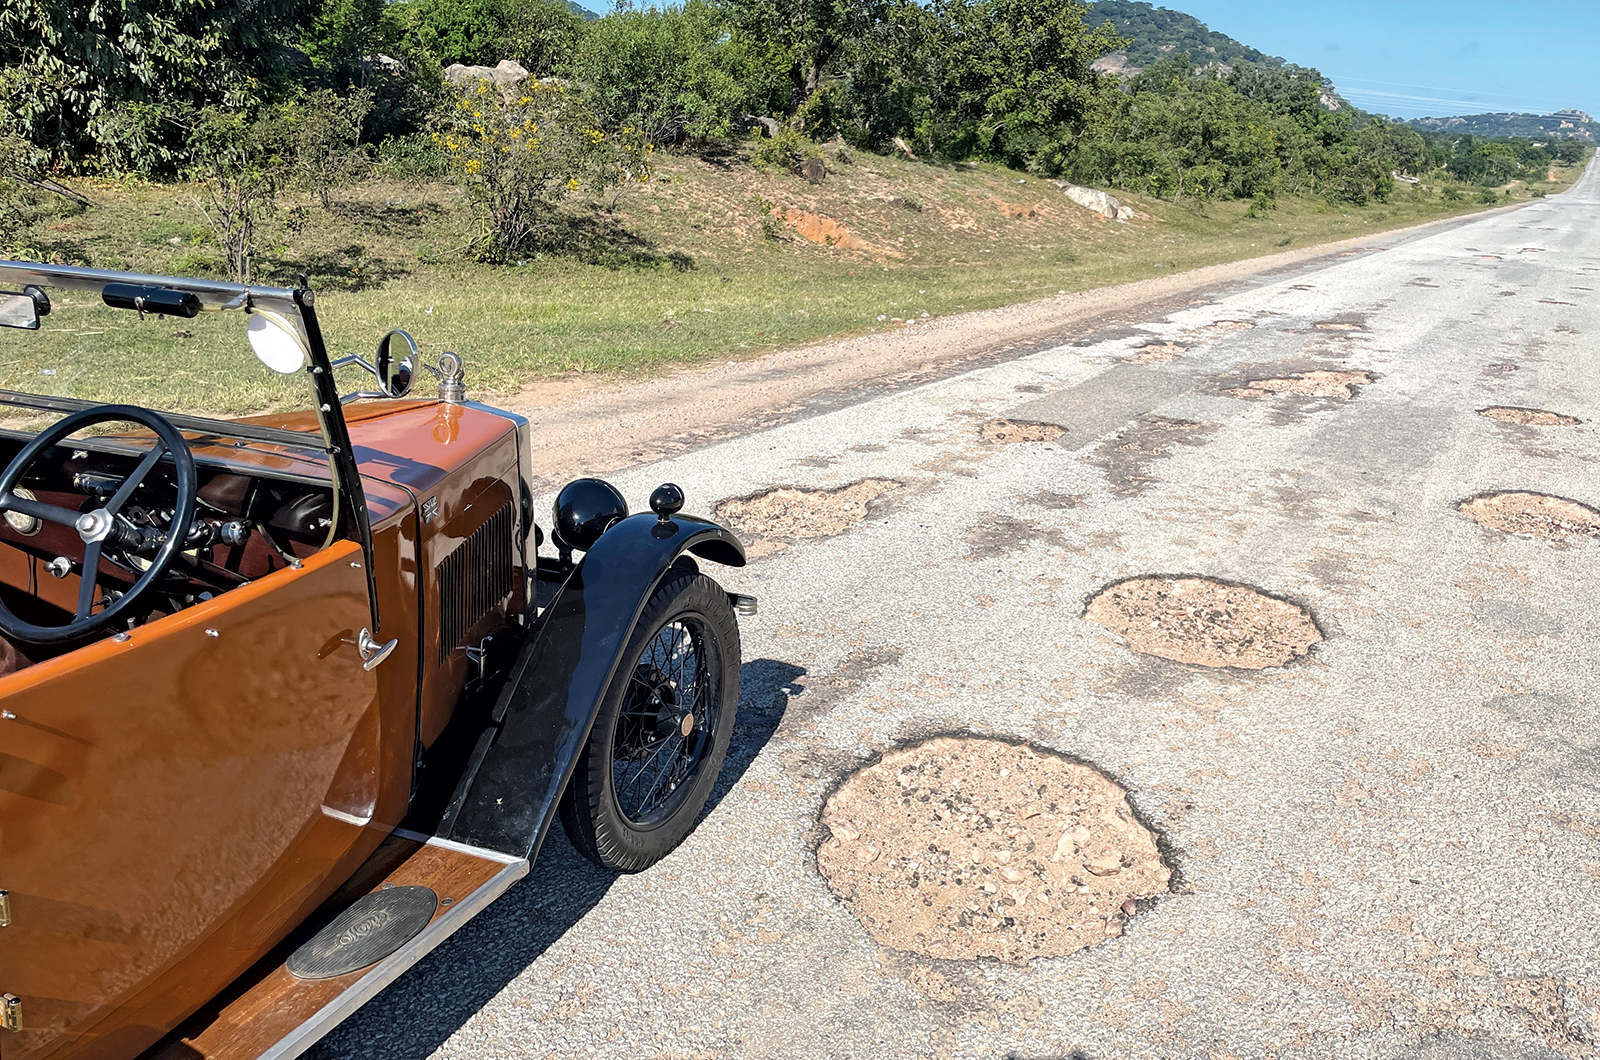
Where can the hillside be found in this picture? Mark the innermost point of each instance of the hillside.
(1562, 125)
(1156, 32)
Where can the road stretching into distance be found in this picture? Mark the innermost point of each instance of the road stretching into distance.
(1387, 848)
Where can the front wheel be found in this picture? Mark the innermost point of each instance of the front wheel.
(658, 742)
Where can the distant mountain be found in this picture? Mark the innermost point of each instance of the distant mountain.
(1157, 32)
(581, 11)
(1562, 125)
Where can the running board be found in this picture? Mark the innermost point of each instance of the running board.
(279, 1015)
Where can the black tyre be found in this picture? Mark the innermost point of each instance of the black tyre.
(658, 743)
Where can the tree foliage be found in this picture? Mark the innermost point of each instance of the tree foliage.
(250, 96)
(77, 67)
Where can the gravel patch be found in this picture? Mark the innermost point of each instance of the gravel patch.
(964, 847)
(1319, 383)
(1161, 351)
(1011, 431)
(1533, 515)
(776, 518)
(1204, 622)
(1528, 417)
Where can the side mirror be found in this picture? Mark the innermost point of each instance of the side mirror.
(397, 362)
(23, 310)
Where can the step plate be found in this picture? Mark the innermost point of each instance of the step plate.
(366, 933)
(272, 1014)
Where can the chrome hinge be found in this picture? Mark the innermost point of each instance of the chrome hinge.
(478, 656)
(743, 603)
(5, 909)
(10, 1012)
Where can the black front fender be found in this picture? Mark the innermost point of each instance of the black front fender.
(522, 762)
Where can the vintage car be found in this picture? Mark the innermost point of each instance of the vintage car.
(287, 699)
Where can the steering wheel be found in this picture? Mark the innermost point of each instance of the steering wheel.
(104, 528)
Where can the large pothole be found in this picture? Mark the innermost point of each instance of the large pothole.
(1319, 383)
(1204, 622)
(776, 518)
(1010, 431)
(964, 847)
(1533, 515)
(1528, 417)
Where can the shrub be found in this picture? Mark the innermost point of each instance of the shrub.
(518, 151)
(326, 131)
(416, 158)
(1488, 197)
(788, 150)
(237, 160)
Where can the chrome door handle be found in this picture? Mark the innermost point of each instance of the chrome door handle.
(373, 653)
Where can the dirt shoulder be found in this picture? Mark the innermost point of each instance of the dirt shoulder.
(586, 425)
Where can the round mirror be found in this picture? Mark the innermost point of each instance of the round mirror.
(397, 362)
(275, 345)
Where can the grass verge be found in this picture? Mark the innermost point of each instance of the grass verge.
(711, 260)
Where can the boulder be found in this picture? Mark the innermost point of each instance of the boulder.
(503, 75)
(1100, 202)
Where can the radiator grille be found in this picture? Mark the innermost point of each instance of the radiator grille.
(473, 580)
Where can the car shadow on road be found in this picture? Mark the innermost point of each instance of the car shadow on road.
(429, 1003)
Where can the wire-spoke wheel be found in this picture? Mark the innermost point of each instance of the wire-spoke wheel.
(658, 742)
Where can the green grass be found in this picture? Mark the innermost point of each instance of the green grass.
(684, 270)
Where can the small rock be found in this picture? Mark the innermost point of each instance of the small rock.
(1105, 865)
(1012, 875)
(1129, 907)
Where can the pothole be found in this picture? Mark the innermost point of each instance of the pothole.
(1231, 325)
(964, 847)
(1319, 383)
(778, 517)
(1204, 622)
(1533, 515)
(1339, 326)
(1010, 431)
(1528, 417)
(1160, 351)
(1129, 456)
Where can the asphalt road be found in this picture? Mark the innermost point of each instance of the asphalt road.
(1388, 848)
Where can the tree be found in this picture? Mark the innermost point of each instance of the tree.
(801, 39)
(341, 34)
(671, 73)
(1014, 72)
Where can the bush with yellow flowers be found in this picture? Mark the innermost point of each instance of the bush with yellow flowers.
(518, 150)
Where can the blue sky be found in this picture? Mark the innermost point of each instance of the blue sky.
(1419, 58)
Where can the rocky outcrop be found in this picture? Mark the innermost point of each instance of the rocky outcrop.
(1100, 202)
